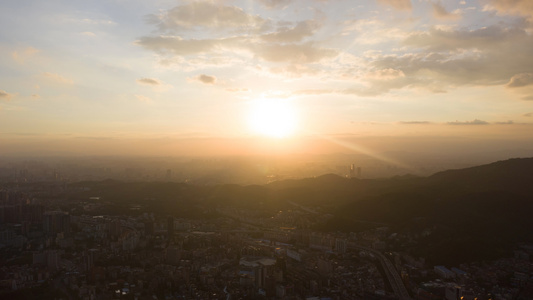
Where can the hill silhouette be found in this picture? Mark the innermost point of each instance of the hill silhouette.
(513, 175)
(472, 214)
(488, 208)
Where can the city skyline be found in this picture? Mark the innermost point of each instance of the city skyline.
(266, 76)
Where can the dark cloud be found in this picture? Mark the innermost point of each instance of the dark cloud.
(475, 122)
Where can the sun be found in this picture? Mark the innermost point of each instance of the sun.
(272, 117)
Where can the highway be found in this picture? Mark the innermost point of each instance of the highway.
(394, 278)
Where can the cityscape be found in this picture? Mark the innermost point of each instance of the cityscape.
(163, 239)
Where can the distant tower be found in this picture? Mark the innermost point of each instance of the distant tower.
(355, 171)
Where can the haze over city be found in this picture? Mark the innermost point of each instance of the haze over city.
(165, 78)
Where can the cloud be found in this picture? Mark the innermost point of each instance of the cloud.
(510, 122)
(522, 84)
(88, 33)
(149, 81)
(35, 96)
(275, 3)
(528, 114)
(178, 46)
(231, 36)
(520, 80)
(513, 7)
(297, 70)
(381, 81)
(442, 58)
(397, 4)
(143, 99)
(57, 78)
(385, 74)
(5, 95)
(414, 122)
(295, 34)
(206, 15)
(441, 39)
(93, 21)
(440, 12)
(22, 56)
(294, 53)
(205, 79)
(475, 122)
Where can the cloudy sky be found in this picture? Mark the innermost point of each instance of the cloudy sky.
(107, 76)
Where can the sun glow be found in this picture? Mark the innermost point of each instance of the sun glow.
(272, 117)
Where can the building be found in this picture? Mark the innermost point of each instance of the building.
(55, 222)
(340, 245)
(443, 272)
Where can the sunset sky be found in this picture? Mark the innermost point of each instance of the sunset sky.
(206, 77)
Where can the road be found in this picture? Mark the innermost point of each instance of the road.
(394, 278)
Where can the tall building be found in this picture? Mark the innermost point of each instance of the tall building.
(89, 259)
(55, 222)
(340, 245)
(355, 171)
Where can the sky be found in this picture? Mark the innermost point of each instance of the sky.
(205, 77)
